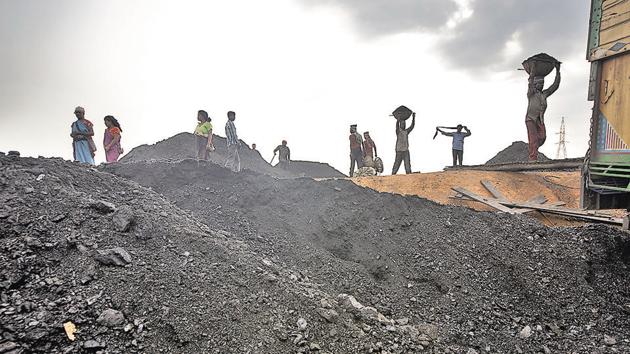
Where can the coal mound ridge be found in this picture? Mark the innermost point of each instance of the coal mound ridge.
(183, 146)
(487, 282)
(517, 152)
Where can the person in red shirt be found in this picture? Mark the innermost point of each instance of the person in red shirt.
(369, 146)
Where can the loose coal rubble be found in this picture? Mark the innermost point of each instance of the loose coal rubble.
(245, 263)
(517, 152)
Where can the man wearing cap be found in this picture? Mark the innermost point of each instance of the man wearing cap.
(458, 143)
(536, 107)
(284, 154)
(402, 143)
(356, 152)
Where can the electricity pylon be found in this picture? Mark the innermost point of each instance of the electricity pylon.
(562, 144)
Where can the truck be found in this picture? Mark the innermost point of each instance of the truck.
(606, 169)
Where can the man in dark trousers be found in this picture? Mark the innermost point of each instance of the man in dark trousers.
(356, 152)
(458, 143)
(402, 144)
(284, 154)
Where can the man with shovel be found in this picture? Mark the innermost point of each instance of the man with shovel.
(458, 141)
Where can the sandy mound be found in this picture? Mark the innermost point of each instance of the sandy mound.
(517, 152)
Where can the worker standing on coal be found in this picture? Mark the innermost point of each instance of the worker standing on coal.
(402, 143)
(233, 159)
(458, 143)
(356, 151)
(537, 103)
(284, 154)
(369, 147)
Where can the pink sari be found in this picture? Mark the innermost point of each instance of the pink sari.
(114, 152)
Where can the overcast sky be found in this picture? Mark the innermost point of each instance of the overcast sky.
(300, 70)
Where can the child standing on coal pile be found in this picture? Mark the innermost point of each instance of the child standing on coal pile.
(458, 143)
(203, 133)
(233, 160)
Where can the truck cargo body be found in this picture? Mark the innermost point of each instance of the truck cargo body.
(606, 176)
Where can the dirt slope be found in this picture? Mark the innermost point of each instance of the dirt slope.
(484, 280)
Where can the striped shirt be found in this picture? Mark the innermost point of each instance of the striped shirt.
(230, 133)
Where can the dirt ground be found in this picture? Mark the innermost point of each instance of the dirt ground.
(517, 186)
(556, 186)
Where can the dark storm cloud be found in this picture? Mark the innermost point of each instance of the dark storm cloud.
(379, 17)
(557, 27)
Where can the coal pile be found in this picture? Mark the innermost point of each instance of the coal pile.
(184, 145)
(517, 152)
(312, 169)
(471, 281)
(91, 262)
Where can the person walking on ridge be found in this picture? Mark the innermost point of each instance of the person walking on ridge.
(233, 160)
(284, 154)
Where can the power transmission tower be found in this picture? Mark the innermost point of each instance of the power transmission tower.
(562, 144)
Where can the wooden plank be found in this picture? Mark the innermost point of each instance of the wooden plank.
(488, 201)
(491, 188)
(539, 199)
(575, 213)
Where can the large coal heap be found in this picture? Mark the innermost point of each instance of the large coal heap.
(501, 282)
(517, 152)
(187, 257)
(184, 145)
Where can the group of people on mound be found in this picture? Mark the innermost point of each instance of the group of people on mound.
(203, 133)
(82, 133)
(364, 156)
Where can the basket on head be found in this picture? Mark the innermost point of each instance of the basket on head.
(542, 64)
(402, 113)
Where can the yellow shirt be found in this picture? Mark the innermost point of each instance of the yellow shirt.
(203, 129)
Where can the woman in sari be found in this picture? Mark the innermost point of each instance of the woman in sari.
(111, 140)
(82, 132)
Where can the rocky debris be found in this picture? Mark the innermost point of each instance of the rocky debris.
(93, 345)
(116, 256)
(13, 153)
(111, 318)
(329, 314)
(8, 346)
(517, 152)
(526, 332)
(123, 219)
(609, 341)
(102, 206)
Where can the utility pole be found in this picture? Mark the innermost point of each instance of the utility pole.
(562, 144)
